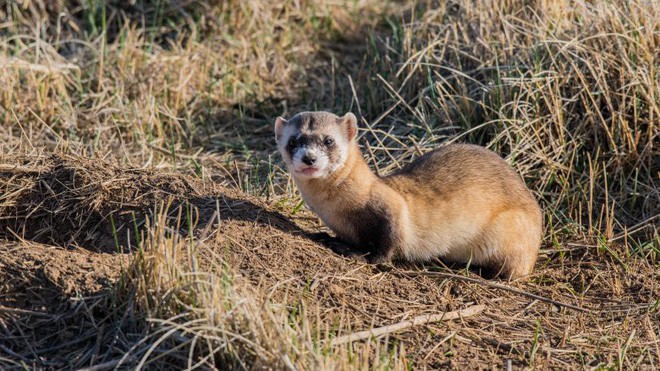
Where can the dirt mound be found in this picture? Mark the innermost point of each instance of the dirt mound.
(50, 204)
(64, 201)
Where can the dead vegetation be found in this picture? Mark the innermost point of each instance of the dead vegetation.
(145, 220)
(250, 285)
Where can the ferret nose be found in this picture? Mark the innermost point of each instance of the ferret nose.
(309, 160)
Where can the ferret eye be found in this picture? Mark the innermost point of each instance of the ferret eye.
(329, 142)
(292, 142)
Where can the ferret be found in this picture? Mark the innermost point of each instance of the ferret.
(460, 203)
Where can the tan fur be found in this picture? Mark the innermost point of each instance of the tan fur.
(353, 186)
(461, 203)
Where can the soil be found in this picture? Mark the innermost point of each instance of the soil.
(69, 225)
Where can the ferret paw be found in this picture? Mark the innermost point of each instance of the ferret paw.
(377, 259)
(334, 243)
(322, 237)
(346, 250)
(339, 247)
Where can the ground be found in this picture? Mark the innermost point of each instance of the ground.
(587, 308)
(146, 220)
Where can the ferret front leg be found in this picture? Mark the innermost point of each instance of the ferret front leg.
(379, 233)
(381, 254)
(337, 245)
(383, 245)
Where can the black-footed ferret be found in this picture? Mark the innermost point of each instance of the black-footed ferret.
(460, 202)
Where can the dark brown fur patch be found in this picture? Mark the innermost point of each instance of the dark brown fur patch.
(376, 233)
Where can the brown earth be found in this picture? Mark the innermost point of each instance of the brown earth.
(68, 226)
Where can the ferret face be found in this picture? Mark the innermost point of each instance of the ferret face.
(315, 144)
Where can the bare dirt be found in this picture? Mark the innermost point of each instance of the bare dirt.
(69, 225)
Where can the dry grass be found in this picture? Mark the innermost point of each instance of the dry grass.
(172, 99)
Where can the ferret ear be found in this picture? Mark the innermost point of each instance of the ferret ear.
(279, 125)
(349, 122)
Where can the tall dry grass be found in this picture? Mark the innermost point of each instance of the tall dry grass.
(568, 91)
(111, 77)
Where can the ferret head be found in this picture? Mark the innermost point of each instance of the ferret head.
(315, 144)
